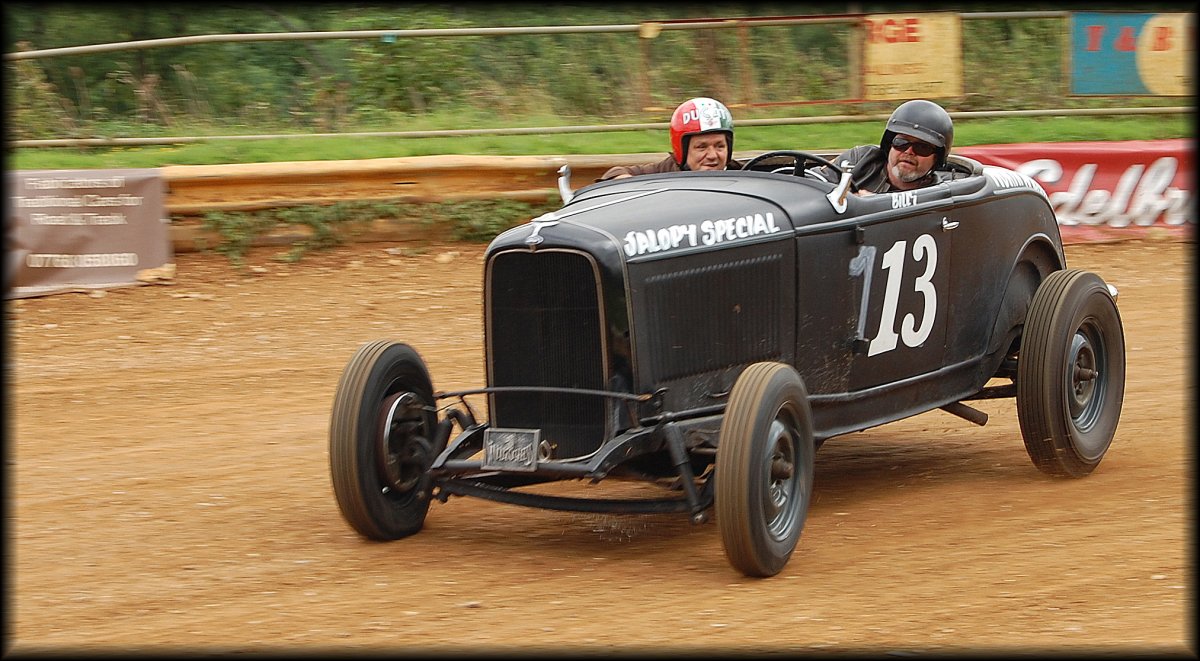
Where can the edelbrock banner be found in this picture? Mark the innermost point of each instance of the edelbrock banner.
(68, 230)
(1107, 190)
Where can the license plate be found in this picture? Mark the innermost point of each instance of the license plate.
(510, 449)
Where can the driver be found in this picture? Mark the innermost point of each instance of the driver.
(701, 139)
(915, 143)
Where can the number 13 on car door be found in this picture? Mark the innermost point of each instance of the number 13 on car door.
(898, 278)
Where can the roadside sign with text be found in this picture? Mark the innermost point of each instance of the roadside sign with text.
(908, 56)
(83, 229)
(1122, 53)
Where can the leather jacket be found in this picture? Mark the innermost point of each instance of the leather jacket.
(868, 163)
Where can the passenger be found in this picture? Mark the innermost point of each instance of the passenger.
(701, 139)
(915, 143)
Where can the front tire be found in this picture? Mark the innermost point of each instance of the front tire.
(1070, 373)
(764, 468)
(380, 440)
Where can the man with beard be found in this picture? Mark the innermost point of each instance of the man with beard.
(915, 143)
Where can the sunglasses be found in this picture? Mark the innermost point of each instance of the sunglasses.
(919, 148)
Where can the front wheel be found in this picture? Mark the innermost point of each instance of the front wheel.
(1070, 373)
(764, 468)
(380, 440)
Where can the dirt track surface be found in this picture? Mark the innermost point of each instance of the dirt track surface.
(169, 491)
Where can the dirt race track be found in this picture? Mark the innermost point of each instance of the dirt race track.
(169, 491)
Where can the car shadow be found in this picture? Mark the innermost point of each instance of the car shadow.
(876, 463)
(850, 471)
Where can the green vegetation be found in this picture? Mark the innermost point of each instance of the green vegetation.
(815, 137)
(446, 82)
(330, 225)
(506, 81)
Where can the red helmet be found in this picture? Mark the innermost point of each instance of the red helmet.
(695, 116)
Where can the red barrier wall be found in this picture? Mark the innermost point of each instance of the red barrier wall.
(1105, 191)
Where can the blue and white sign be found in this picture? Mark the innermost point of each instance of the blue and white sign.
(1121, 53)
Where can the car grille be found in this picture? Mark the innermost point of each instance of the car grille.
(732, 318)
(544, 329)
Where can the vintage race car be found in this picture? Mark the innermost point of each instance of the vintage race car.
(705, 332)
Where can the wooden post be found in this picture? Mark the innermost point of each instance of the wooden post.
(855, 60)
(646, 32)
(748, 86)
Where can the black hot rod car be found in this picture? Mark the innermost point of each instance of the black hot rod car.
(707, 331)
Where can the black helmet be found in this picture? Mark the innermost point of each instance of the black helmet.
(921, 119)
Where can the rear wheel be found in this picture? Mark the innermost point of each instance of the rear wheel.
(764, 468)
(1070, 373)
(380, 440)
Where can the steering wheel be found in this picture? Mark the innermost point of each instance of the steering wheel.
(961, 168)
(800, 159)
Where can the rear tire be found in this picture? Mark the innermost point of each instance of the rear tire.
(764, 468)
(380, 440)
(1070, 373)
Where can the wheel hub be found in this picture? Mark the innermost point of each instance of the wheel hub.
(1084, 375)
(781, 498)
(402, 450)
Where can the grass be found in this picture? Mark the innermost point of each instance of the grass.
(814, 137)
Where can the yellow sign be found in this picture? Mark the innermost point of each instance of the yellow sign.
(1166, 47)
(909, 56)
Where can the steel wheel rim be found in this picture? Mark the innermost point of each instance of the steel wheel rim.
(1086, 380)
(402, 453)
(781, 498)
